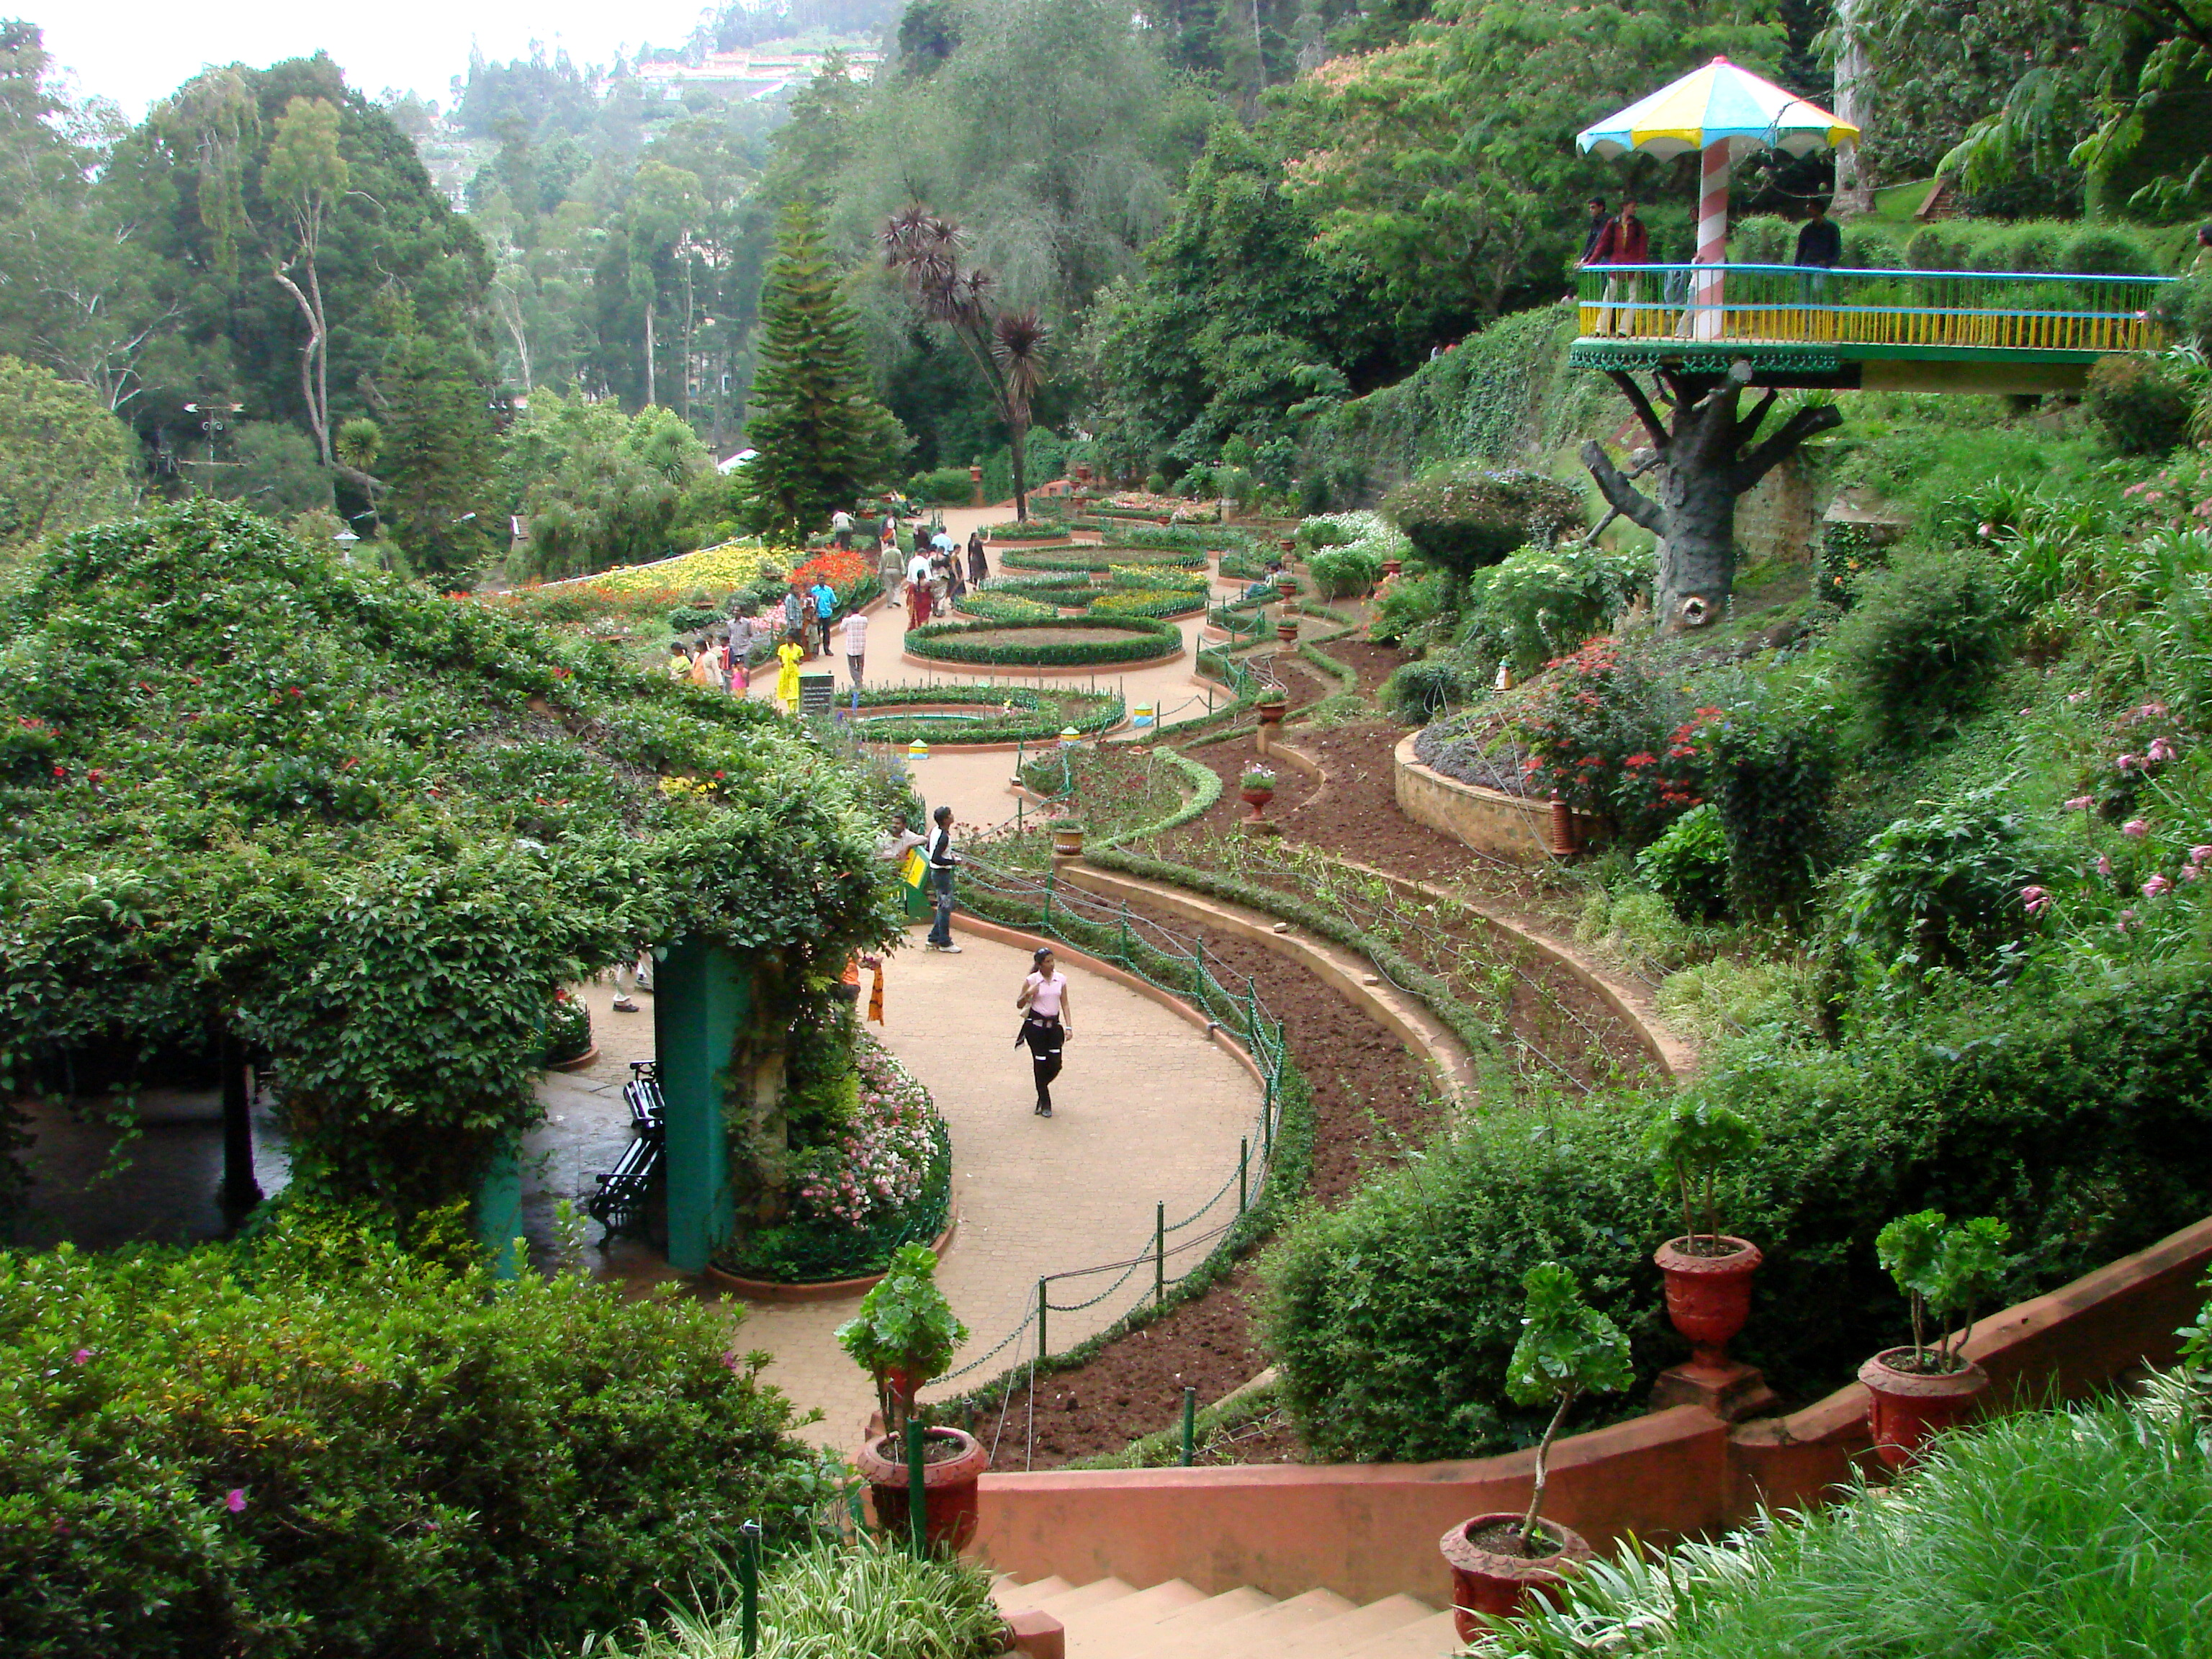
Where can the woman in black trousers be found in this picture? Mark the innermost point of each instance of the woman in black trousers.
(1044, 1001)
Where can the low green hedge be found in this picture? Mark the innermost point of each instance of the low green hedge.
(1121, 640)
(1034, 530)
(1159, 574)
(316, 1442)
(983, 602)
(1064, 560)
(1034, 716)
(1147, 602)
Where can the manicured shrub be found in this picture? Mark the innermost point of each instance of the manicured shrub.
(1463, 523)
(2105, 250)
(690, 618)
(1542, 602)
(1028, 530)
(1923, 641)
(1942, 889)
(2078, 1116)
(1688, 865)
(1409, 610)
(2143, 409)
(1120, 639)
(948, 486)
(1020, 713)
(1870, 247)
(1417, 692)
(1344, 572)
(316, 1442)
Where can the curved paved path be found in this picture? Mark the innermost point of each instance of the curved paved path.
(1147, 1110)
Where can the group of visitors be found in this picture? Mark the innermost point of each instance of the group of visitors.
(929, 576)
(1622, 239)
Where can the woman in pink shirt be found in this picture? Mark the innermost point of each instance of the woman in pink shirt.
(1044, 996)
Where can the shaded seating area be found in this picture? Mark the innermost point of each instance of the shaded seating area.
(619, 1204)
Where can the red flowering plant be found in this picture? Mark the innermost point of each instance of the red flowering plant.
(845, 573)
(1606, 736)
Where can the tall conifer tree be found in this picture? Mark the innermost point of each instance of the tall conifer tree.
(823, 440)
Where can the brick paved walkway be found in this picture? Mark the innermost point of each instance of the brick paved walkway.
(1148, 1110)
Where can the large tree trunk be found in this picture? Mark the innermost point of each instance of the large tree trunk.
(1018, 434)
(1708, 458)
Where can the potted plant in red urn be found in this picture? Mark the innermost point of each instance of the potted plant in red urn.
(905, 1335)
(1944, 1271)
(1708, 1271)
(1566, 1349)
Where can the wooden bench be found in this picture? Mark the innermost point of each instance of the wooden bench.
(618, 1206)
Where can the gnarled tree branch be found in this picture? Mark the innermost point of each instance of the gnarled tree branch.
(1820, 417)
(1624, 497)
(1642, 406)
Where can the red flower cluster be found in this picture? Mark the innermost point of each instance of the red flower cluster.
(840, 569)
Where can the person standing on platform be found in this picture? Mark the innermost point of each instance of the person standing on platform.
(1624, 241)
(1044, 999)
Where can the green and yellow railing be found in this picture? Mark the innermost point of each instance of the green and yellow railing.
(1882, 310)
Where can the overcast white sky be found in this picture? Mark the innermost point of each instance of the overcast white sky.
(136, 50)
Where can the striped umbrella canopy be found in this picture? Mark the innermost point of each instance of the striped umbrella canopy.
(1718, 103)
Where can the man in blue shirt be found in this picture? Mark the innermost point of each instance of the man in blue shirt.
(825, 606)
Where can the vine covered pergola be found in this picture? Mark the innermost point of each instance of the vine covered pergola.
(254, 795)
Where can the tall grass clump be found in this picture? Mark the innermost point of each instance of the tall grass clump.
(2078, 1532)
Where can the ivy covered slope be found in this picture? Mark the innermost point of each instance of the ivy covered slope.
(369, 830)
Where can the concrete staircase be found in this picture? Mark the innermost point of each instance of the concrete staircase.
(1109, 1620)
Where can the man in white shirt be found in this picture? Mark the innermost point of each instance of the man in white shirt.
(840, 529)
(856, 650)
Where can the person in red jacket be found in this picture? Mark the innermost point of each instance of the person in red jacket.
(1624, 241)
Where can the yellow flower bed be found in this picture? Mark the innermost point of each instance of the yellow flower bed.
(717, 569)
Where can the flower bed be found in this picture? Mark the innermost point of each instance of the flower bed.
(1158, 574)
(1010, 714)
(1098, 560)
(718, 570)
(1005, 607)
(1059, 642)
(1034, 530)
(886, 1182)
(1147, 602)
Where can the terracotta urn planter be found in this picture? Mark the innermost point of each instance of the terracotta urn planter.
(1563, 831)
(1910, 1408)
(1489, 1577)
(1287, 631)
(1391, 567)
(1272, 712)
(952, 1464)
(1066, 841)
(1256, 800)
(1709, 1297)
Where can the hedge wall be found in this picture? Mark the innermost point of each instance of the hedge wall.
(1121, 640)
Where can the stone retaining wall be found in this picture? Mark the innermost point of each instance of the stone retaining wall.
(1489, 820)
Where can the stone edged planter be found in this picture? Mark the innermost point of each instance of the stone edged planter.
(1484, 1581)
(1287, 632)
(1709, 1297)
(820, 1290)
(1908, 1409)
(1067, 841)
(574, 1062)
(949, 1487)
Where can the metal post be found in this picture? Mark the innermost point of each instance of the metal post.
(1268, 1119)
(917, 1491)
(1160, 1252)
(1046, 924)
(1127, 957)
(749, 1548)
(1042, 1305)
(1243, 1171)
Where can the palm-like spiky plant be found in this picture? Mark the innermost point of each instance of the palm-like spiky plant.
(925, 250)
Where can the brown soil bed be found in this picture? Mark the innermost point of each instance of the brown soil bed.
(1369, 1101)
(1373, 663)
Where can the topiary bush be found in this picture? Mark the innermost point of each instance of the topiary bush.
(2106, 250)
(1923, 641)
(2143, 409)
(316, 1442)
(2079, 1116)
(1340, 573)
(1462, 523)
(948, 486)
(1418, 692)
(1409, 609)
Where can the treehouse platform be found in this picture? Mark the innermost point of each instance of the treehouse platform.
(1874, 330)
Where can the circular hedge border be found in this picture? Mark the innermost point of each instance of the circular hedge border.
(1097, 559)
(1123, 640)
(1030, 721)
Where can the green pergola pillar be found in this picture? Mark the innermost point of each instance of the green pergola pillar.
(702, 996)
(499, 1212)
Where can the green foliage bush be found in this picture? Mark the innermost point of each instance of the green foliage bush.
(1344, 572)
(2106, 250)
(1688, 865)
(1021, 714)
(948, 486)
(1410, 608)
(1540, 603)
(1942, 889)
(1121, 639)
(1026, 529)
(1923, 639)
(2143, 409)
(1418, 692)
(2078, 1115)
(690, 618)
(1464, 522)
(1772, 775)
(318, 1443)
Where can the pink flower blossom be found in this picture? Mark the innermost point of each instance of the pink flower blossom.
(82, 1357)
(2189, 873)
(2037, 899)
(2155, 886)
(2198, 854)
(2127, 919)
(2104, 864)
(2075, 696)
(2160, 750)
(2136, 829)
(236, 1502)
(2080, 803)
(2128, 763)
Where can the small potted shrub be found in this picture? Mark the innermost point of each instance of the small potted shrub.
(569, 1032)
(1257, 786)
(1272, 702)
(1286, 628)
(1944, 1271)
(904, 1335)
(1708, 1272)
(1567, 1348)
(1067, 838)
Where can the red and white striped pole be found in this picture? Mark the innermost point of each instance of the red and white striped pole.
(1712, 241)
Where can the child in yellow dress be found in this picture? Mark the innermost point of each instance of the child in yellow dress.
(790, 654)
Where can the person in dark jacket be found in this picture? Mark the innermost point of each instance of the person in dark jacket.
(1624, 241)
(1598, 220)
(1821, 240)
(942, 862)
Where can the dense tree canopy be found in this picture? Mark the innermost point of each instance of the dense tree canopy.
(65, 460)
(369, 830)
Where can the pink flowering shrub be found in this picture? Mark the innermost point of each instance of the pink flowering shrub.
(880, 1162)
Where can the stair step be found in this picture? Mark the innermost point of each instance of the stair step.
(1013, 1596)
(1098, 1592)
(1344, 1633)
(1202, 1616)
(1432, 1637)
(1261, 1635)
(1114, 1628)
